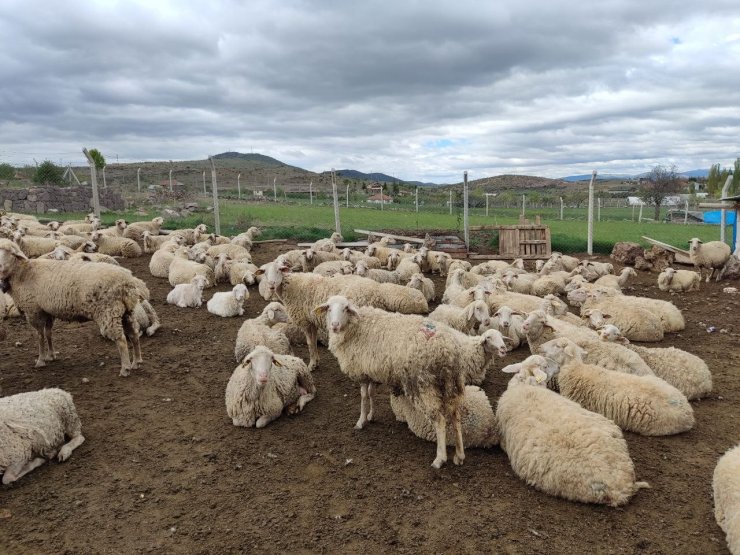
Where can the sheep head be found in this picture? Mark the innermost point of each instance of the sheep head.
(613, 334)
(493, 343)
(240, 292)
(339, 311)
(531, 371)
(273, 278)
(562, 351)
(10, 254)
(275, 313)
(260, 361)
(476, 313)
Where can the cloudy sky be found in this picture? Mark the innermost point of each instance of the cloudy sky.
(419, 89)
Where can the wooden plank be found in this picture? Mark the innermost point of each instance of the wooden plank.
(349, 244)
(399, 237)
(500, 257)
(269, 241)
(682, 256)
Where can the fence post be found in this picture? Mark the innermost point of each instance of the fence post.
(105, 185)
(561, 208)
(347, 195)
(205, 193)
(524, 205)
(274, 189)
(466, 229)
(599, 209)
(239, 186)
(686, 214)
(381, 198)
(138, 179)
(337, 226)
(310, 191)
(214, 188)
(723, 212)
(94, 180)
(450, 201)
(417, 199)
(590, 240)
(639, 217)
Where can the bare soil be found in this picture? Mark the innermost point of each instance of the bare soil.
(164, 470)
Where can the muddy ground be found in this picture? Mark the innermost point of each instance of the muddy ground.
(164, 470)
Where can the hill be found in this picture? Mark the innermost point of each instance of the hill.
(515, 182)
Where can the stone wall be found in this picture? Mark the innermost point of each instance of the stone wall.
(62, 199)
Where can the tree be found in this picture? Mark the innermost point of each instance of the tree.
(661, 183)
(99, 159)
(48, 173)
(7, 171)
(735, 188)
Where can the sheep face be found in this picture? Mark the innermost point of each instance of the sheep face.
(346, 254)
(535, 322)
(518, 263)
(493, 342)
(199, 281)
(240, 292)
(694, 245)
(60, 253)
(596, 318)
(276, 313)
(10, 253)
(612, 333)
(337, 237)
(272, 278)
(346, 268)
(531, 371)
(361, 269)
(562, 350)
(89, 247)
(407, 247)
(477, 314)
(338, 311)
(416, 281)
(553, 305)
(260, 362)
(371, 250)
(393, 259)
(504, 315)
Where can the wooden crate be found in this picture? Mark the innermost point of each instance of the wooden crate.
(524, 240)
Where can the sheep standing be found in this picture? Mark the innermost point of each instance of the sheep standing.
(559, 447)
(686, 372)
(264, 385)
(135, 230)
(476, 415)
(646, 405)
(33, 429)
(671, 279)
(229, 303)
(423, 284)
(262, 330)
(726, 489)
(188, 295)
(467, 320)
(712, 256)
(47, 289)
(426, 360)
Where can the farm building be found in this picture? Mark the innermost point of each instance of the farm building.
(380, 199)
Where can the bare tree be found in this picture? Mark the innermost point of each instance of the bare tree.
(661, 183)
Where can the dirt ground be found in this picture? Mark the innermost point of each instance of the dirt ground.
(164, 470)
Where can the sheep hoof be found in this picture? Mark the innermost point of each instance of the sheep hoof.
(458, 460)
(438, 462)
(64, 454)
(124, 372)
(370, 416)
(360, 424)
(40, 362)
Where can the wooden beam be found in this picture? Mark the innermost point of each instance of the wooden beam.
(349, 244)
(269, 241)
(506, 257)
(399, 237)
(682, 256)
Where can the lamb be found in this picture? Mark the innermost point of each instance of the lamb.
(686, 372)
(264, 385)
(726, 490)
(594, 270)
(146, 318)
(235, 252)
(355, 256)
(117, 229)
(381, 276)
(328, 245)
(509, 322)
(671, 279)
(135, 230)
(553, 306)
(712, 256)
(263, 330)
(293, 259)
(640, 324)
(229, 303)
(409, 266)
(333, 267)
(458, 281)
(671, 318)
(438, 262)
(466, 320)
(116, 246)
(190, 236)
(476, 415)
(379, 251)
(646, 405)
(301, 293)
(242, 272)
(247, 238)
(568, 263)
(182, 270)
(187, 295)
(47, 289)
(616, 282)
(519, 283)
(423, 284)
(425, 360)
(559, 447)
(311, 258)
(458, 265)
(33, 430)
(222, 269)
(159, 264)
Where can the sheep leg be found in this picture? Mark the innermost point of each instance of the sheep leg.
(363, 407)
(19, 469)
(313, 349)
(50, 353)
(70, 446)
(371, 399)
(41, 361)
(265, 419)
(440, 426)
(459, 447)
(122, 345)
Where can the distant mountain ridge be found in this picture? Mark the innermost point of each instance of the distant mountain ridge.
(610, 176)
(381, 178)
(251, 157)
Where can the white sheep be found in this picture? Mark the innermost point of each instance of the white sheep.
(147, 318)
(355, 256)
(188, 295)
(476, 414)
(242, 272)
(550, 284)
(726, 490)
(116, 246)
(559, 447)
(116, 229)
(671, 279)
(33, 429)
(235, 252)
(151, 243)
(423, 284)
(616, 281)
(311, 258)
(640, 324)
(34, 247)
(686, 372)
(646, 405)
(409, 266)
(466, 320)
(182, 270)
(264, 330)
(671, 318)
(328, 245)
(47, 289)
(381, 276)
(334, 267)
(230, 303)
(509, 322)
(519, 283)
(135, 230)
(159, 264)
(426, 360)
(490, 267)
(264, 385)
(712, 256)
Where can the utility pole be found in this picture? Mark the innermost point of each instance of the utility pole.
(417, 199)
(466, 229)
(274, 188)
(238, 186)
(214, 187)
(310, 191)
(138, 179)
(94, 180)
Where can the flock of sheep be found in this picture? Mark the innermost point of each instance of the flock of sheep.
(560, 421)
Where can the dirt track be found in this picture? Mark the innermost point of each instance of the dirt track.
(164, 470)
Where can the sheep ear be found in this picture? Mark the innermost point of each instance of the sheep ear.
(352, 309)
(508, 341)
(540, 376)
(276, 362)
(512, 368)
(285, 269)
(607, 315)
(17, 252)
(549, 326)
(519, 313)
(259, 272)
(271, 314)
(321, 309)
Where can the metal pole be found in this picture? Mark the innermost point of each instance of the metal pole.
(94, 180)
(214, 190)
(633, 212)
(486, 205)
(598, 217)
(417, 199)
(381, 198)
(274, 188)
(524, 205)
(590, 240)
(561, 208)
(450, 201)
(347, 195)
(239, 186)
(310, 191)
(138, 179)
(105, 185)
(686, 213)
(170, 178)
(639, 217)
(466, 227)
(204, 183)
(337, 226)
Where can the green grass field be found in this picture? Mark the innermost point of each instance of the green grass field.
(309, 222)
